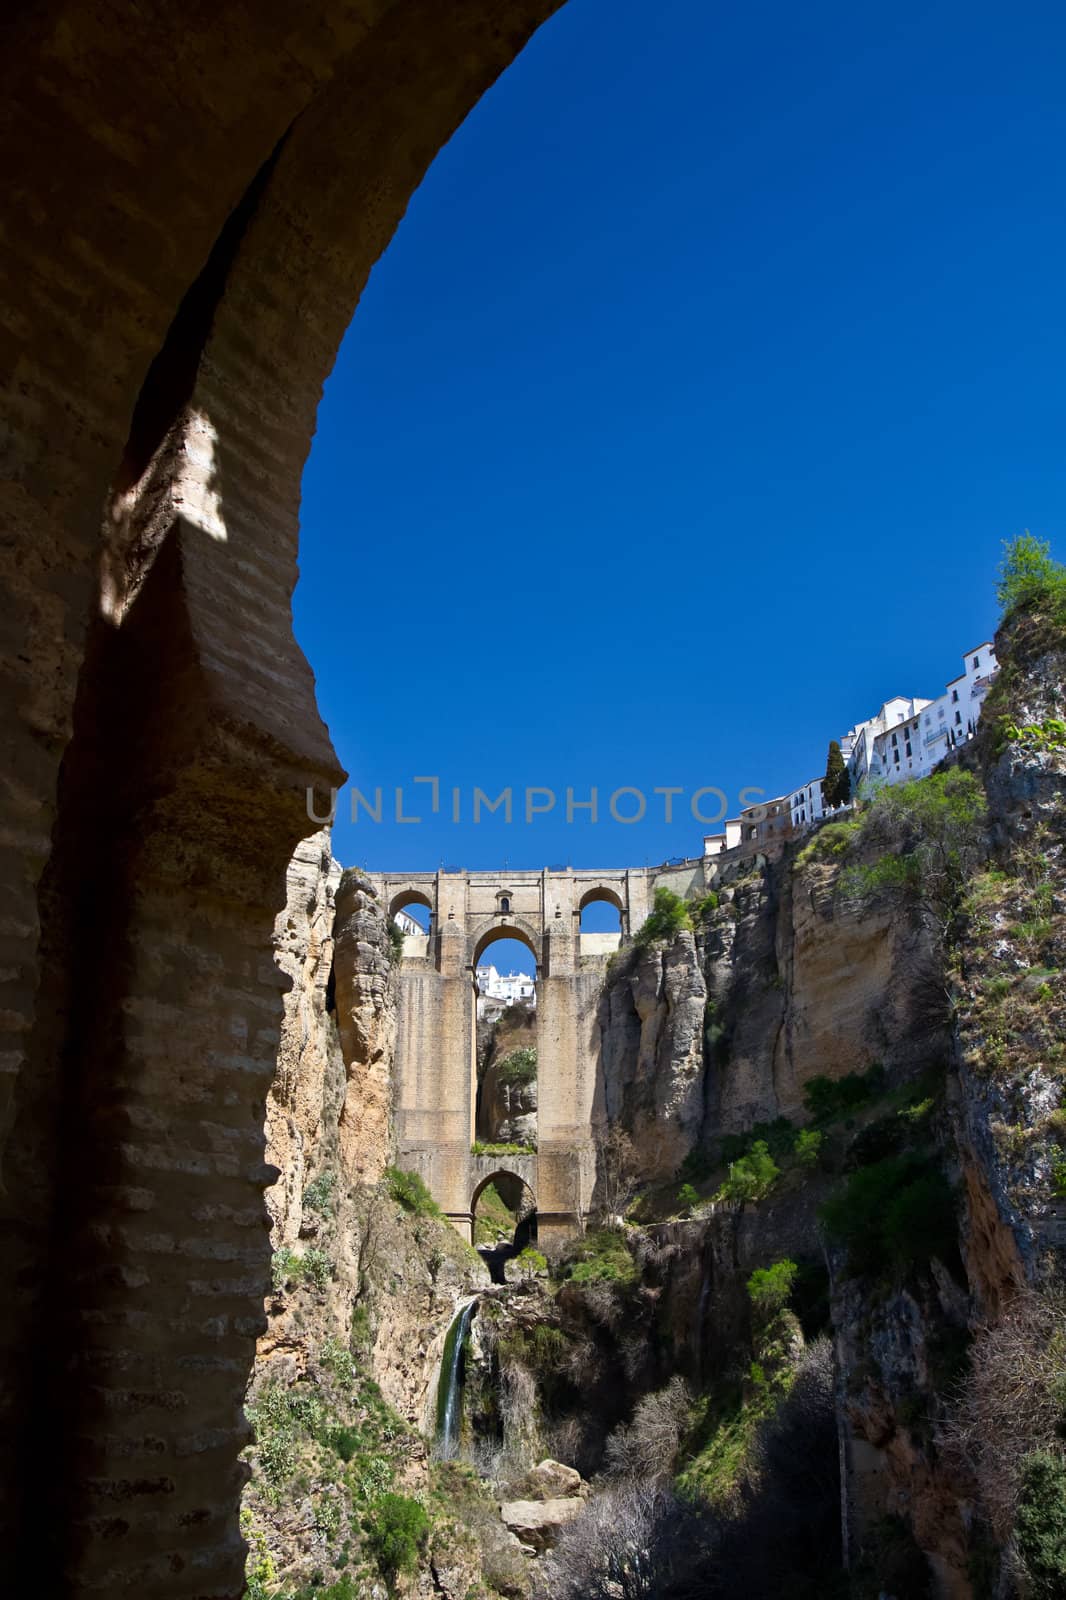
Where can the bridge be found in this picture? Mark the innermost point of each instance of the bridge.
(436, 1058)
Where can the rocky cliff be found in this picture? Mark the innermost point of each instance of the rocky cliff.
(835, 1089)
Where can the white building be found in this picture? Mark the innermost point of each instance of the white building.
(806, 804)
(866, 739)
(916, 735)
(506, 988)
(407, 925)
(907, 738)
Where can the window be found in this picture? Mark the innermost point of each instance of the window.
(908, 747)
(954, 695)
(958, 716)
(976, 662)
(505, 903)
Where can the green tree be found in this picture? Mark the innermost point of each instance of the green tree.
(666, 920)
(836, 785)
(394, 1527)
(1028, 573)
(770, 1287)
(753, 1176)
(1040, 1529)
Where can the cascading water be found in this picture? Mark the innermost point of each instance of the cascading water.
(449, 1391)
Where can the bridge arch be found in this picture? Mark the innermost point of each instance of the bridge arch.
(505, 1179)
(487, 933)
(406, 898)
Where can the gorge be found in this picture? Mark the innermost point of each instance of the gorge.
(819, 1155)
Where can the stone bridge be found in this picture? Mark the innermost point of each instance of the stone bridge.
(436, 1067)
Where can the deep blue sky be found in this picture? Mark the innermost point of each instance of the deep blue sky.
(681, 422)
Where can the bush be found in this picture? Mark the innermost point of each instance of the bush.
(687, 1197)
(931, 836)
(396, 937)
(394, 1528)
(808, 1147)
(829, 1098)
(1029, 575)
(519, 1068)
(486, 1147)
(319, 1192)
(668, 918)
(313, 1266)
(647, 1447)
(752, 1177)
(701, 907)
(776, 1135)
(531, 1261)
(770, 1287)
(409, 1190)
(1011, 1401)
(893, 1213)
(602, 1257)
(1040, 1530)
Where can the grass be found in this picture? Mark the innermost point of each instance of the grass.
(602, 1256)
(410, 1191)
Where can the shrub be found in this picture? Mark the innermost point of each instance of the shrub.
(667, 919)
(602, 1257)
(1040, 1529)
(830, 842)
(701, 907)
(313, 1266)
(394, 1528)
(770, 1287)
(893, 1213)
(531, 1261)
(752, 1177)
(319, 1192)
(1029, 575)
(687, 1197)
(486, 1147)
(829, 1098)
(776, 1135)
(807, 1147)
(647, 1447)
(395, 944)
(409, 1190)
(519, 1068)
(931, 833)
(1058, 1176)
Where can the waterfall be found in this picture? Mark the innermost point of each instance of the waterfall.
(449, 1393)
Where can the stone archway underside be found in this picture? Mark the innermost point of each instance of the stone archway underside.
(229, 175)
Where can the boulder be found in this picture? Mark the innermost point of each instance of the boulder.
(536, 1522)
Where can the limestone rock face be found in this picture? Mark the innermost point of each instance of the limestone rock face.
(303, 949)
(651, 1028)
(506, 1111)
(366, 1020)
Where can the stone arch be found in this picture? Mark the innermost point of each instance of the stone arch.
(276, 189)
(487, 933)
(602, 892)
(411, 897)
(511, 1177)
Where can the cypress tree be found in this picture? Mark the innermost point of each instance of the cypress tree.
(836, 785)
